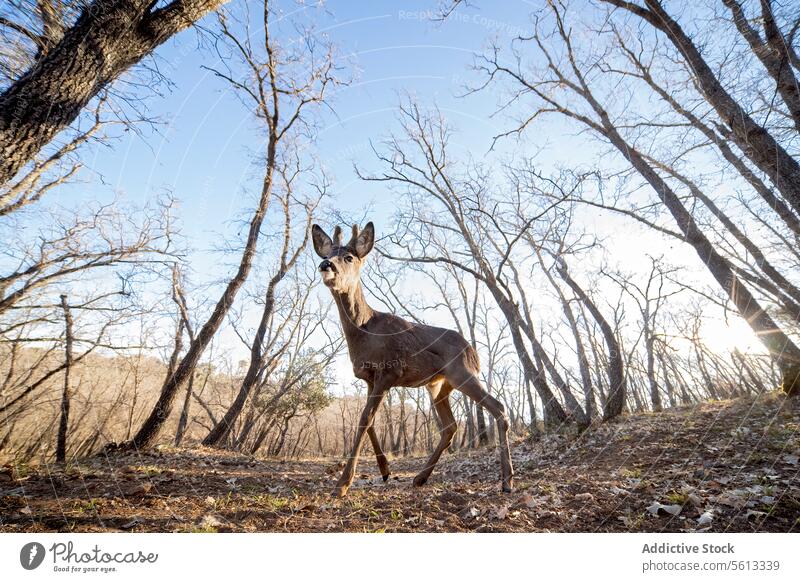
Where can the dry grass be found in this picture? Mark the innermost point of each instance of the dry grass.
(733, 461)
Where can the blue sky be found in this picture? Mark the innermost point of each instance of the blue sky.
(204, 151)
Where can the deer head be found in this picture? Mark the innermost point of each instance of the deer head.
(341, 264)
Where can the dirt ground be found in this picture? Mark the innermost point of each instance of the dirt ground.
(727, 466)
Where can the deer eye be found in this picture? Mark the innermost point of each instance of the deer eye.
(348, 258)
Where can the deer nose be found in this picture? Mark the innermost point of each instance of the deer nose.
(326, 265)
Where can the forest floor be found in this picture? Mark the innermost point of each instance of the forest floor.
(717, 466)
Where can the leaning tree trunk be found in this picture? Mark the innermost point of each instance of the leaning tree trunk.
(151, 427)
(774, 201)
(786, 292)
(782, 349)
(780, 346)
(583, 359)
(554, 414)
(107, 39)
(753, 140)
(254, 370)
(183, 420)
(573, 407)
(773, 53)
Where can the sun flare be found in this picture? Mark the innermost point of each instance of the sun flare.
(727, 336)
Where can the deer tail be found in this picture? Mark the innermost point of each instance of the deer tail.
(472, 360)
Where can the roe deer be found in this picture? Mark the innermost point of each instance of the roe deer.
(388, 351)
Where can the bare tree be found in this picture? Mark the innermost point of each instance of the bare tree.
(272, 86)
(66, 395)
(568, 77)
(642, 68)
(289, 254)
(649, 299)
(775, 51)
(74, 49)
(431, 175)
(101, 237)
(756, 142)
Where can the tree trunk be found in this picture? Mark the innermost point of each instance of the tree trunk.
(254, 370)
(480, 422)
(580, 350)
(615, 400)
(573, 407)
(773, 54)
(670, 388)
(786, 292)
(655, 395)
(108, 38)
(782, 349)
(785, 353)
(183, 421)
(554, 414)
(66, 395)
(779, 206)
(151, 427)
(754, 141)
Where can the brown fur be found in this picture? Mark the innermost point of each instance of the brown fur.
(388, 351)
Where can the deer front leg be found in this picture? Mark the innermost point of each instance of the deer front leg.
(383, 464)
(374, 400)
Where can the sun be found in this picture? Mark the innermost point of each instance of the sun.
(727, 336)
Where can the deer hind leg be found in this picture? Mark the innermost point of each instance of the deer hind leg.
(441, 402)
(374, 399)
(467, 383)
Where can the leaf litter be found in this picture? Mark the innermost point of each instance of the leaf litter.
(716, 466)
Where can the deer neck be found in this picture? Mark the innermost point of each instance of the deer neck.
(353, 310)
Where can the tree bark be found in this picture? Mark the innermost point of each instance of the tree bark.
(108, 38)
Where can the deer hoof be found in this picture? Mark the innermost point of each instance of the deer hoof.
(339, 491)
(386, 477)
(508, 487)
(420, 480)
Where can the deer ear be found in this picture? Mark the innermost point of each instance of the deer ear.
(365, 240)
(323, 245)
